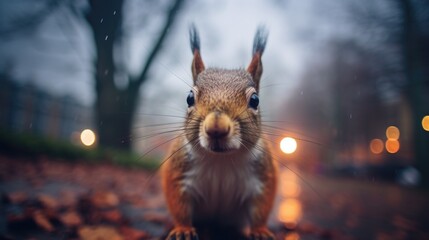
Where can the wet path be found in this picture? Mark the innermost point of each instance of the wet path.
(58, 200)
(349, 209)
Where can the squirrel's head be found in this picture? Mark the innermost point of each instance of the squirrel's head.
(223, 105)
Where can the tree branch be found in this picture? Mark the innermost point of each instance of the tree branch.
(31, 21)
(170, 19)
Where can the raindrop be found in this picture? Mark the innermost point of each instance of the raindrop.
(114, 12)
(107, 36)
(106, 71)
(351, 116)
(302, 92)
(101, 20)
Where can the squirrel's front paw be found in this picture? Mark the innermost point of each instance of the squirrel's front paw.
(182, 233)
(261, 234)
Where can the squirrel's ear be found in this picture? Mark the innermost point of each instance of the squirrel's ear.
(197, 62)
(255, 66)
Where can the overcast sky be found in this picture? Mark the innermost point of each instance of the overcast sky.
(57, 55)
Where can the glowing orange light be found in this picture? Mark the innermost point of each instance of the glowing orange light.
(87, 137)
(425, 123)
(292, 236)
(290, 212)
(288, 145)
(392, 145)
(392, 132)
(376, 146)
(289, 184)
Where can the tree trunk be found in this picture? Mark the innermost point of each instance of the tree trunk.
(414, 91)
(114, 107)
(115, 110)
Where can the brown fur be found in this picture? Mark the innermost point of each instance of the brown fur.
(220, 171)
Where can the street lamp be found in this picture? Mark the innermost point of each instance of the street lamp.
(288, 145)
(87, 137)
(425, 123)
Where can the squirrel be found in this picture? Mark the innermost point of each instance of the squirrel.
(220, 170)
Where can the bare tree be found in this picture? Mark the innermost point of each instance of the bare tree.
(339, 101)
(413, 42)
(397, 30)
(114, 106)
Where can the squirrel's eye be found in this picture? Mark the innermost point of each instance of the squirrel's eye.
(190, 99)
(254, 101)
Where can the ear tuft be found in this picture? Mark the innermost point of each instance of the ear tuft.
(197, 63)
(255, 66)
(260, 40)
(194, 38)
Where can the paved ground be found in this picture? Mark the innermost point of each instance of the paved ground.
(351, 209)
(45, 199)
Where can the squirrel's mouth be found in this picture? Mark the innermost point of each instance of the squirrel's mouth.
(218, 134)
(220, 145)
(217, 146)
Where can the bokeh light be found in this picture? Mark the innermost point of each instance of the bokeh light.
(87, 137)
(290, 212)
(289, 185)
(292, 236)
(288, 145)
(392, 132)
(425, 123)
(392, 145)
(376, 146)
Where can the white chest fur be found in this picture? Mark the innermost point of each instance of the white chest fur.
(222, 184)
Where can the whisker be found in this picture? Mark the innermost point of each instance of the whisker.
(162, 127)
(166, 159)
(285, 129)
(158, 125)
(299, 139)
(156, 134)
(161, 115)
(272, 85)
(158, 145)
(277, 159)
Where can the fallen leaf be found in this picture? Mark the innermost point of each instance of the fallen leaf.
(17, 197)
(157, 217)
(68, 198)
(114, 215)
(130, 233)
(42, 221)
(70, 219)
(48, 201)
(104, 199)
(154, 202)
(98, 233)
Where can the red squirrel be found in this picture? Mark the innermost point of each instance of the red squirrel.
(220, 170)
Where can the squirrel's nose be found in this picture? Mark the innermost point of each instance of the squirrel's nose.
(218, 132)
(217, 125)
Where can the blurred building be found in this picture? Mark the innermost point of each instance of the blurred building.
(26, 108)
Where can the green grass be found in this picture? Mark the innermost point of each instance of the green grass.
(28, 145)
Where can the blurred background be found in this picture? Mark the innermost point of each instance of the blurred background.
(344, 96)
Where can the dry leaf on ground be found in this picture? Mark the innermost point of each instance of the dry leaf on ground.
(98, 233)
(42, 221)
(70, 219)
(104, 199)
